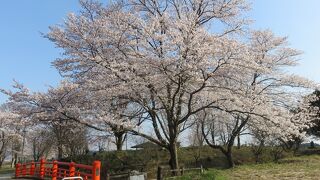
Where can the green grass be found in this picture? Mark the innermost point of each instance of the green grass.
(212, 174)
(6, 170)
(303, 167)
(148, 160)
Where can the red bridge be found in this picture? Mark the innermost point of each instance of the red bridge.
(58, 170)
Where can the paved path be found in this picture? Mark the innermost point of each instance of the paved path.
(8, 177)
(5, 176)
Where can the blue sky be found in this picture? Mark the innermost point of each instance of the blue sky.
(25, 55)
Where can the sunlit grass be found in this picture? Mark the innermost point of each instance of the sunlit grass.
(212, 174)
(6, 169)
(304, 167)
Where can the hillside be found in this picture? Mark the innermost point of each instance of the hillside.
(303, 167)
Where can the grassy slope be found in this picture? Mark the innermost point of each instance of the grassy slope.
(6, 170)
(304, 167)
(148, 160)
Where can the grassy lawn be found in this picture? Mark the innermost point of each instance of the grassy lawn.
(304, 167)
(6, 169)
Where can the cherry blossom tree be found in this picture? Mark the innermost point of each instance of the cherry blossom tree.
(267, 92)
(160, 63)
(67, 110)
(41, 142)
(138, 64)
(9, 131)
(312, 104)
(46, 110)
(161, 57)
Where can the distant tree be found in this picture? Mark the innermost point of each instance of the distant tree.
(46, 111)
(10, 124)
(313, 101)
(258, 144)
(68, 108)
(196, 141)
(312, 145)
(276, 149)
(41, 142)
(16, 147)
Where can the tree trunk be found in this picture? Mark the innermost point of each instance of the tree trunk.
(2, 155)
(1, 162)
(173, 162)
(230, 158)
(238, 139)
(119, 140)
(119, 145)
(14, 160)
(58, 130)
(228, 152)
(60, 152)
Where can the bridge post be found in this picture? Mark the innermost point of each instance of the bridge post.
(96, 170)
(17, 170)
(72, 169)
(54, 170)
(42, 168)
(32, 168)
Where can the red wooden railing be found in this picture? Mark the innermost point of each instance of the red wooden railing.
(58, 170)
